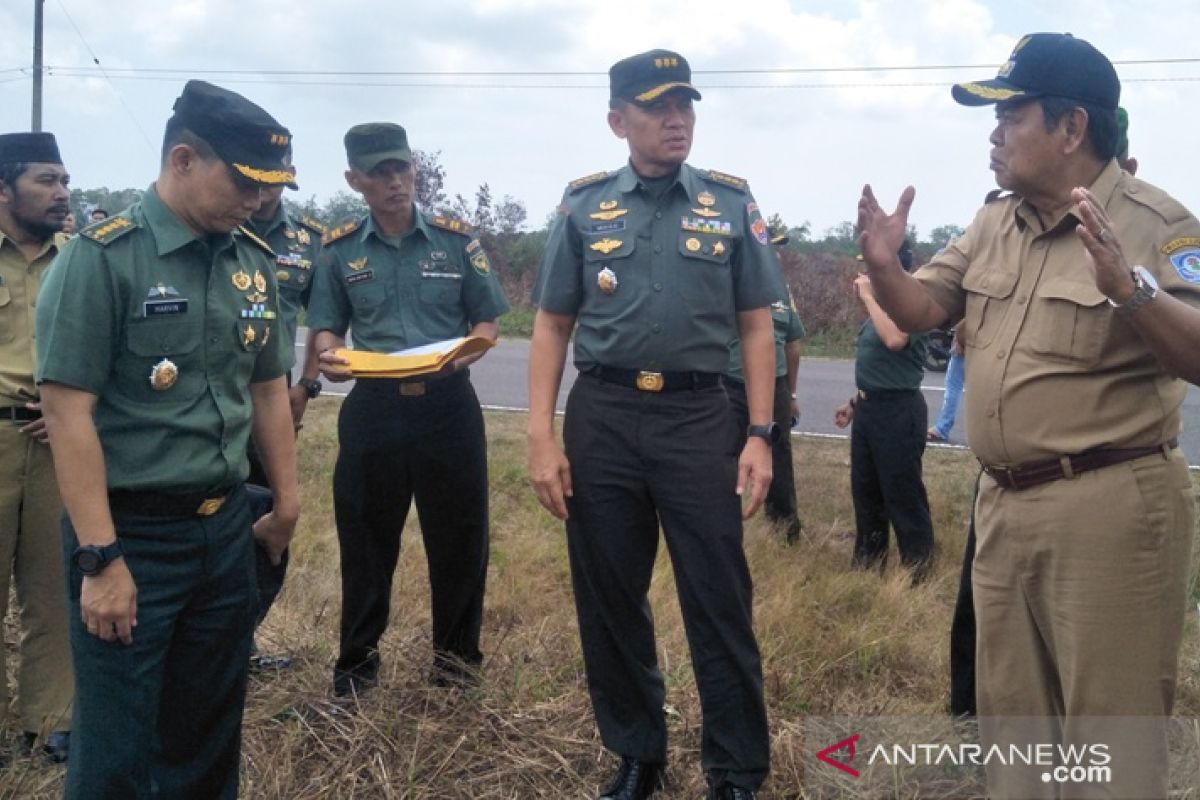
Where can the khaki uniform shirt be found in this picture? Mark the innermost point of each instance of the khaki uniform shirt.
(138, 294)
(296, 244)
(1054, 370)
(436, 283)
(654, 282)
(19, 280)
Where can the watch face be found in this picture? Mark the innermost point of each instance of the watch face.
(87, 561)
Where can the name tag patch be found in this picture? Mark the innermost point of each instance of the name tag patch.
(607, 227)
(163, 308)
(360, 277)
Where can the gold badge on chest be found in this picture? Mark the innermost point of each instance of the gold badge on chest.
(260, 282)
(163, 375)
(606, 279)
(605, 246)
(241, 281)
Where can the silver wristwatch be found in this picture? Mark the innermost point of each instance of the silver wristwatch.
(1145, 289)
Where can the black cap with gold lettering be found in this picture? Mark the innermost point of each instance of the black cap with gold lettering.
(241, 133)
(644, 78)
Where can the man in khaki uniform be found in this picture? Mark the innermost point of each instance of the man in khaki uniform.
(33, 206)
(1080, 292)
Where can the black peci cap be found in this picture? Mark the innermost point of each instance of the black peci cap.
(1048, 65)
(29, 148)
(241, 133)
(644, 78)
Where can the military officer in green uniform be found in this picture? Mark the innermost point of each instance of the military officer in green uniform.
(660, 264)
(401, 277)
(780, 504)
(296, 242)
(159, 348)
(33, 205)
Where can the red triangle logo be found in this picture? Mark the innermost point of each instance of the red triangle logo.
(845, 744)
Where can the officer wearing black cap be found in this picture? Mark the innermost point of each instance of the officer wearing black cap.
(34, 200)
(401, 278)
(159, 347)
(660, 264)
(1080, 299)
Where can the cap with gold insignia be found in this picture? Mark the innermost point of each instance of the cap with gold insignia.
(1048, 65)
(371, 143)
(644, 78)
(241, 133)
(29, 148)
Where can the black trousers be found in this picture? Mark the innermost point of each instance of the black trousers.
(162, 717)
(780, 505)
(962, 631)
(639, 459)
(396, 449)
(886, 446)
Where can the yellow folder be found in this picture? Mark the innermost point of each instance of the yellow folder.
(414, 361)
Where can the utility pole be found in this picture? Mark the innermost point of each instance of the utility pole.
(36, 123)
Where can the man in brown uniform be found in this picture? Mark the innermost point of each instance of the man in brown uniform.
(33, 206)
(1080, 292)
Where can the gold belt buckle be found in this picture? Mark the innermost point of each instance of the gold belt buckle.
(412, 389)
(650, 381)
(210, 506)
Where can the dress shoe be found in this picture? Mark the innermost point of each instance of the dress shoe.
(634, 780)
(56, 747)
(727, 791)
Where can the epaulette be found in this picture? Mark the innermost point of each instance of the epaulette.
(728, 180)
(108, 230)
(345, 229)
(451, 224)
(586, 180)
(1155, 199)
(312, 224)
(994, 195)
(254, 237)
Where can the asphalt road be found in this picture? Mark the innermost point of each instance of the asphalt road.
(500, 380)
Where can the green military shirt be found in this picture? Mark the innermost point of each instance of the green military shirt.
(879, 368)
(654, 282)
(19, 281)
(138, 296)
(431, 284)
(296, 244)
(788, 328)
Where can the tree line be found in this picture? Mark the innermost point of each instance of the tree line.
(819, 270)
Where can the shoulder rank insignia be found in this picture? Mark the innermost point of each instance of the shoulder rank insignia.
(728, 180)
(313, 224)
(345, 229)
(586, 180)
(254, 237)
(451, 224)
(109, 230)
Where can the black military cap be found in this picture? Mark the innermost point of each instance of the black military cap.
(29, 148)
(372, 143)
(1048, 65)
(648, 76)
(244, 136)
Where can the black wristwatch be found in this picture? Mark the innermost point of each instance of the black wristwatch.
(770, 431)
(311, 386)
(92, 559)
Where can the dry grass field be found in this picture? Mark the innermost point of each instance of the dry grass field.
(834, 641)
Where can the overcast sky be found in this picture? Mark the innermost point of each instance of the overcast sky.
(805, 140)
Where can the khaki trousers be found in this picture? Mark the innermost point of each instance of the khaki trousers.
(1080, 593)
(31, 557)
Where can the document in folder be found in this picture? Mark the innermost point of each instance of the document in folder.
(415, 360)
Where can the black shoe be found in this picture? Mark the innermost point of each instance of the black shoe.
(727, 791)
(260, 662)
(56, 747)
(634, 780)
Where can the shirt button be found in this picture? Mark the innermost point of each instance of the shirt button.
(658, 287)
(658, 215)
(212, 340)
(656, 327)
(991, 413)
(1001, 354)
(1023, 299)
(658, 248)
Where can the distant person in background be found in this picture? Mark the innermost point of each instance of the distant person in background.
(888, 438)
(955, 373)
(780, 505)
(69, 227)
(98, 215)
(1127, 163)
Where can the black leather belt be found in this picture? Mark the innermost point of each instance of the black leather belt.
(19, 414)
(168, 504)
(652, 381)
(885, 394)
(1027, 476)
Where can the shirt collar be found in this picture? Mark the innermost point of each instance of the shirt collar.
(1102, 188)
(369, 227)
(628, 180)
(170, 233)
(50, 244)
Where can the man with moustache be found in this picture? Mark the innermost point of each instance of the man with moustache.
(34, 203)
